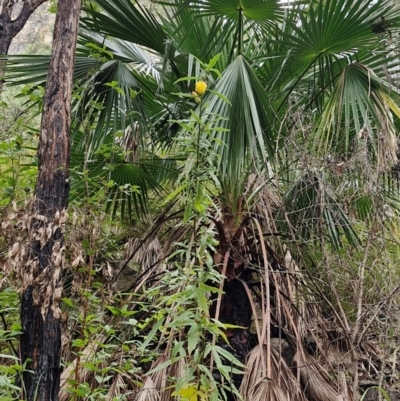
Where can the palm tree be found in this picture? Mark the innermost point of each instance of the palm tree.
(296, 136)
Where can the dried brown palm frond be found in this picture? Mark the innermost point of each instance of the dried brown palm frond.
(265, 207)
(141, 259)
(317, 383)
(281, 386)
(160, 385)
(146, 257)
(296, 310)
(155, 381)
(117, 387)
(175, 234)
(175, 372)
(149, 391)
(292, 306)
(387, 146)
(305, 322)
(69, 373)
(130, 142)
(145, 252)
(292, 298)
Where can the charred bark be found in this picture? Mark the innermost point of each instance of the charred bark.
(236, 310)
(9, 27)
(40, 315)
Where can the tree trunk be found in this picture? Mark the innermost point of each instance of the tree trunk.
(9, 27)
(5, 42)
(40, 314)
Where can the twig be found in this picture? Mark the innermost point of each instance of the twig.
(6, 328)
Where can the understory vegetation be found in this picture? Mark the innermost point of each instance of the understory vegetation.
(239, 242)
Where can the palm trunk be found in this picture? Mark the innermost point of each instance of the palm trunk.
(40, 314)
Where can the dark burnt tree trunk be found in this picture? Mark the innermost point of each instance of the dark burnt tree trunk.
(235, 308)
(40, 314)
(10, 27)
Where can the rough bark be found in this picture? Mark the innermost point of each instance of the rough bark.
(9, 28)
(40, 315)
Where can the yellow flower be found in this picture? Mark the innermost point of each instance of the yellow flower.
(201, 87)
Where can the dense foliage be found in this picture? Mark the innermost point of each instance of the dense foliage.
(239, 243)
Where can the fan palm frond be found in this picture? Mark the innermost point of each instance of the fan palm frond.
(311, 206)
(125, 20)
(316, 381)
(243, 136)
(281, 386)
(362, 101)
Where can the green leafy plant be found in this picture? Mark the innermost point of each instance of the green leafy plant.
(17, 154)
(10, 330)
(379, 389)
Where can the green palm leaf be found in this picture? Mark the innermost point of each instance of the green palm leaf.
(131, 185)
(127, 52)
(124, 20)
(110, 99)
(320, 41)
(26, 69)
(244, 138)
(313, 210)
(256, 10)
(126, 186)
(362, 101)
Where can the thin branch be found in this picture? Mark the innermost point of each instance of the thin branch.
(6, 328)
